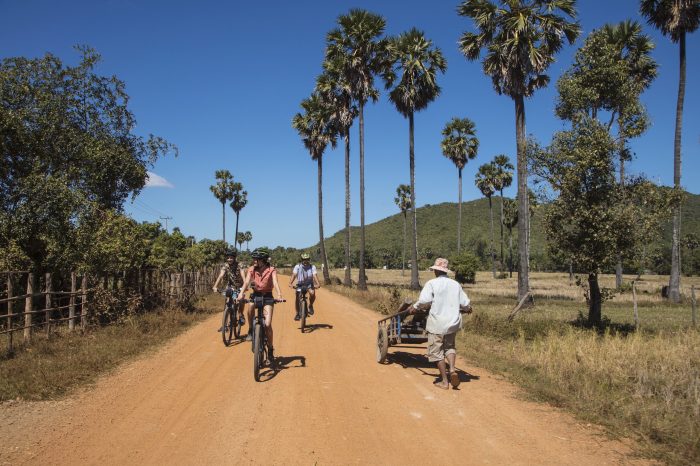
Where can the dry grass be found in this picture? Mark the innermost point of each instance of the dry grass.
(51, 368)
(643, 385)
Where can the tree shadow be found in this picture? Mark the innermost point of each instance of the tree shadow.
(314, 327)
(420, 362)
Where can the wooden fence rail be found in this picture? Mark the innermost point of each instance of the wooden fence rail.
(66, 298)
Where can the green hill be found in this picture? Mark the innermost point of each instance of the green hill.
(437, 234)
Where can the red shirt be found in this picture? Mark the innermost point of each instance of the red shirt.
(262, 279)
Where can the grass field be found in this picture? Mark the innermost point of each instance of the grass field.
(642, 384)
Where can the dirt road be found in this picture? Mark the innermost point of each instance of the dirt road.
(195, 402)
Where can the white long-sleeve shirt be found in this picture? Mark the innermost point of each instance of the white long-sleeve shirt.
(446, 297)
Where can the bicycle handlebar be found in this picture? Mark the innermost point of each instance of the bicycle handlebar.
(252, 301)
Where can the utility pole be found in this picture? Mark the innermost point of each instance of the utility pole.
(166, 222)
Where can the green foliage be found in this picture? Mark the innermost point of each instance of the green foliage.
(465, 266)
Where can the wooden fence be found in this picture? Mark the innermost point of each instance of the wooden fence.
(32, 304)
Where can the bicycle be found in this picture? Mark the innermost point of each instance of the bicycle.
(260, 349)
(302, 304)
(232, 320)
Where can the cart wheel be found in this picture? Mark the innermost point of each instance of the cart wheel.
(382, 344)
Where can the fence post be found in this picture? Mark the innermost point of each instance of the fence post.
(694, 306)
(48, 300)
(28, 308)
(71, 301)
(84, 303)
(634, 299)
(10, 311)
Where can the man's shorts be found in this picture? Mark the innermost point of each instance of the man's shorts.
(440, 345)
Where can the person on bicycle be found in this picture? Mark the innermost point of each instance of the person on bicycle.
(304, 274)
(263, 276)
(230, 274)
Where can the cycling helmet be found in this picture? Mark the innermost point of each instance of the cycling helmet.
(231, 253)
(260, 253)
(305, 256)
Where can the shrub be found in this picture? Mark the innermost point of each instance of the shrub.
(465, 266)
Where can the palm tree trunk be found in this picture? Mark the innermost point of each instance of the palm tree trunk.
(459, 214)
(324, 258)
(618, 266)
(347, 280)
(493, 250)
(223, 216)
(523, 201)
(235, 238)
(403, 251)
(361, 281)
(674, 285)
(510, 253)
(415, 283)
(502, 259)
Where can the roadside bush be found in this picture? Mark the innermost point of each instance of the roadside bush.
(465, 266)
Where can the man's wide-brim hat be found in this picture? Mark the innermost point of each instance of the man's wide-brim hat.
(441, 265)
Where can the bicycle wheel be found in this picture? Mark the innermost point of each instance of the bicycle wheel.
(227, 326)
(303, 311)
(257, 352)
(237, 323)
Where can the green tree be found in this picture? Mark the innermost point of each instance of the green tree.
(315, 127)
(223, 192)
(510, 221)
(521, 38)
(485, 180)
(459, 144)
(675, 18)
(240, 239)
(357, 46)
(239, 200)
(403, 202)
(502, 179)
(248, 239)
(413, 83)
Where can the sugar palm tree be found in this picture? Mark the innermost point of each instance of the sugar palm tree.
(503, 179)
(413, 83)
(240, 239)
(316, 131)
(223, 192)
(356, 44)
(510, 220)
(333, 85)
(520, 38)
(238, 201)
(248, 239)
(403, 202)
(485, 180)
(459, 144)
(675, 18)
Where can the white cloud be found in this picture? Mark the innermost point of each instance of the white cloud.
(157, 181)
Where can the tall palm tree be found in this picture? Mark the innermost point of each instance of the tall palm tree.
(485, 180)
(403, 202)
(510, 220)
(459, 144)
(503, 179)
(238, 201)
(357, 45)
(248, 239)
(521, 38)
(223, 192)
(240, 239)
(675, 18)
(333, 85)
(316, 131)
(413, 76)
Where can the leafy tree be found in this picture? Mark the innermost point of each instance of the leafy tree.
(413, 83)
(334, 85)
(223, 192)
(588, 221)
(459, 144)
(675, 18)
(465, 266)
(239, 200)
(67, 147)
(403, 202)
(357, 46)
(315, 127)
(502, 179)
(521, 38)
(485, 180)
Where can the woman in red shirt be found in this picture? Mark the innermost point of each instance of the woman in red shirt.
(263, 277)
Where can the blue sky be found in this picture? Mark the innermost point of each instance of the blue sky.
(222, 80)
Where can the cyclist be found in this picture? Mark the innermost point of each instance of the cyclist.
(304, 274)
(263, 276)
(231, 274)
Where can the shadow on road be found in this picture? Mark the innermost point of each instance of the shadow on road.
(314, 327)
(421, 363)
(282, 363)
